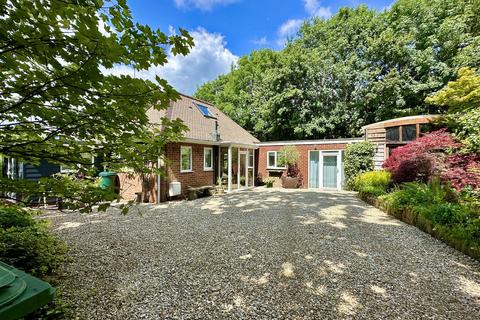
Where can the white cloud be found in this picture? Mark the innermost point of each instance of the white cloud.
(207, 60)
(288, 29)
(260, 41)
(314, 9)
(204, 5)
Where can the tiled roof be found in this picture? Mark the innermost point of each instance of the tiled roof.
(201, 127)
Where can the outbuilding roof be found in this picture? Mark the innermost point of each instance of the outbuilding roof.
(402, 121)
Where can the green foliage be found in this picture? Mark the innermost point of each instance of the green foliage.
(27, 244)
(288, 156)
(269, 182)
(356, 68)
(60, 103)
(462, 97)
(437, 202)
(358, 159)
(441, 205)
(373, 183)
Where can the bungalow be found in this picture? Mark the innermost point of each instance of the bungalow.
(215, 148)
(320, 161)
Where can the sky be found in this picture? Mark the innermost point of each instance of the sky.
(224, 30)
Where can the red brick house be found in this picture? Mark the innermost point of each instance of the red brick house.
(320, 161)
(215, 147)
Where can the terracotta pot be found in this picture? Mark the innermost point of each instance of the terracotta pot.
(290, 182)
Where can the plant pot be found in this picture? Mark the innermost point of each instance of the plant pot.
(290, 182)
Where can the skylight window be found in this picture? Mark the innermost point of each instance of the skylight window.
(205, 111)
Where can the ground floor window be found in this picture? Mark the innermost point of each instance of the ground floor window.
(273, 160)
(207, 159)
(185, 159)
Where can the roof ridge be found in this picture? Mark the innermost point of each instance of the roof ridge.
(199, 100)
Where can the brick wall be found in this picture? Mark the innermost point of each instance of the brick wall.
(302, 161)
(131, 184)
(197, 178)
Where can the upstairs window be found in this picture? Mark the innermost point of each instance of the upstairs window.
(205, 111)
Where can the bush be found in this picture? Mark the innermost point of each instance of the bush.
(439, 203)
(358, 159)
(434, 155)
(374, 183)
(27, 244)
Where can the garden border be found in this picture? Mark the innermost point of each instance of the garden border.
(426, 225)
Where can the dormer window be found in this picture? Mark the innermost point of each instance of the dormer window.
(205, 111)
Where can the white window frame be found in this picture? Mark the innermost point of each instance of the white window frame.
(205, 168)
(276, 161)
(251, 153)
(181, 169)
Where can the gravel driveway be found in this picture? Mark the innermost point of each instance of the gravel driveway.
(262, 254)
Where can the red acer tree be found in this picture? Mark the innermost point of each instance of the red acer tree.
(434, 155)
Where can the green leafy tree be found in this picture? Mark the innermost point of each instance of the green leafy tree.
(288, 156)
(462, 97)
(358, 67)
(59, 103)
(358, 159)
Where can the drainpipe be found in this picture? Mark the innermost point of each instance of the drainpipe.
(159, 180)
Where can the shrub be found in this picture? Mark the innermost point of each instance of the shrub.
(358, 159)
(435, 201)
(373, 183)
(434, 155)
(27, 244)
(462, 170)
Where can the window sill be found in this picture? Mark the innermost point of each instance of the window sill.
(186, 171)
(207, 169)
(276, 169)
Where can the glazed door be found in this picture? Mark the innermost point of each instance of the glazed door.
(242, 169)
(330, 171)
(313, 169)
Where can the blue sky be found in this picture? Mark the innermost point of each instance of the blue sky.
(224, 30)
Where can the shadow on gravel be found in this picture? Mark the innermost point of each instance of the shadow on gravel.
(263, 254)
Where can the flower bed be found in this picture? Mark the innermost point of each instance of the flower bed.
(434, 208)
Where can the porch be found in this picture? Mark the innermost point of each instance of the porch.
(236, 166)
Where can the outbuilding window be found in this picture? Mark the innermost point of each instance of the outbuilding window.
(273, 160)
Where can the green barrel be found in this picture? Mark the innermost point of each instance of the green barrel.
(108, 179)
(20, 293)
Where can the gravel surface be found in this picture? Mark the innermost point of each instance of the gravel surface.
(262, 254)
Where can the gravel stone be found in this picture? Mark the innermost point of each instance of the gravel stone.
(262, 254)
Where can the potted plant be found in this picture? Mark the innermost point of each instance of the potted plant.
(219, 187)
(269, 182)
(291, 177)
